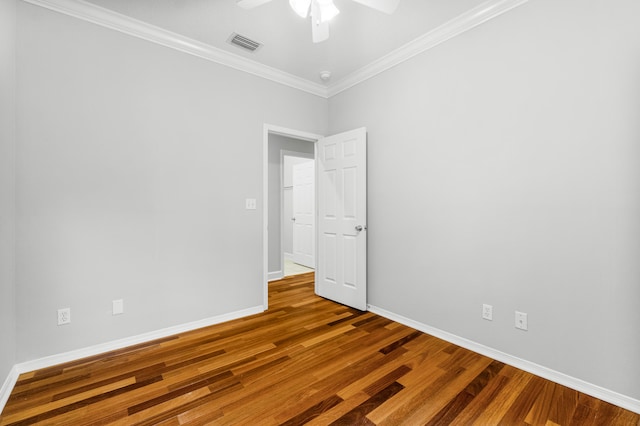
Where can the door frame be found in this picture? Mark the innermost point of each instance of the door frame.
(270, 129)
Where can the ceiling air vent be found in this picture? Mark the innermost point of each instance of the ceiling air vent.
(244, 42)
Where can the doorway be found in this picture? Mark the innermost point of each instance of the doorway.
(298, 212)
(341, 197)
(280, 143)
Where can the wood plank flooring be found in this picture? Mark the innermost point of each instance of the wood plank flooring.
(304, 361)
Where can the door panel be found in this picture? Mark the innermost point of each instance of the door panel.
(304, 213)
(342, 216)
(329, 257)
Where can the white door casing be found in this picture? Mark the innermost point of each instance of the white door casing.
(341, 270)
(269, 130)
(304, 212)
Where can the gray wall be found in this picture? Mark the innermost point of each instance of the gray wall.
(133, 165)
(504, 168)
(7, 186)
(277, 143)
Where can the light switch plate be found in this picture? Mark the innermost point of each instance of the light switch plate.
(118, 307)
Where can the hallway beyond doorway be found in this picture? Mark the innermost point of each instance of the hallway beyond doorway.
(292, 268)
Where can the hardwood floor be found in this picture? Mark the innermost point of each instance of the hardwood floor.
(304, 361)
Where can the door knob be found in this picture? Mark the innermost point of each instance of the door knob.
(359, 228)
(293, 219)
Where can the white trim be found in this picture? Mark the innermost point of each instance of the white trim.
(266, 129)
(131, 26)
(109, 19)
(290, 133)
(275, 275)
(271, 129)
(133, 340)
(456, 26)
(612, 397)
(101, 348)
(596, 391)
(7, 387)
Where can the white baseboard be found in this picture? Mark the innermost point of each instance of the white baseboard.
(7, 387)
(74, 355)
(596, 391)
(276, 275)
(130, 341)
(610, 396)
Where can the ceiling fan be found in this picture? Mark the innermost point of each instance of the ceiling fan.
(322, 11)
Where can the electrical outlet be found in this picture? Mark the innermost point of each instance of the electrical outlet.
(117, 307)
(521, 321)
(250, 204)
(64, 316)
(487, 312)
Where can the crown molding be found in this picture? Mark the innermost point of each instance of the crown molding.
(456, 26)
(113, 20)
(116, 21)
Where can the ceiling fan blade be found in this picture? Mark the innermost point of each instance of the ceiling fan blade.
(250, 4)
(386, 6)
(319, 30)
(301, 7)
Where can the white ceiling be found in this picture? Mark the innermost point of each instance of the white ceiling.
(358, 35)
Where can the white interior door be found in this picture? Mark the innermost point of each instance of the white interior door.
(303, 177)
(341, 272)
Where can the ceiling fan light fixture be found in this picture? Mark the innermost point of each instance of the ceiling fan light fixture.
(322, 11)
(301, 7)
